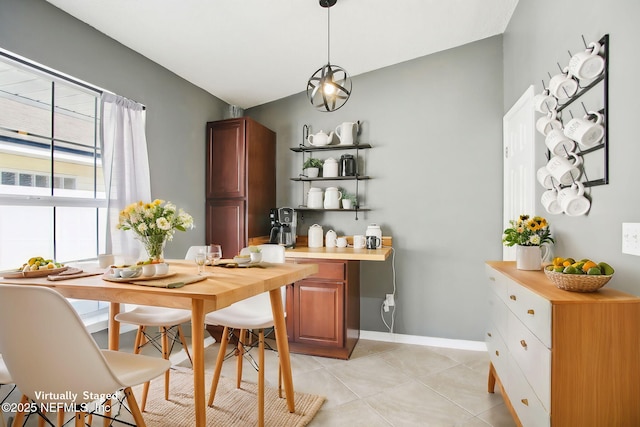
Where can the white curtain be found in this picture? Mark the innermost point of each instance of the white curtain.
(125, 166)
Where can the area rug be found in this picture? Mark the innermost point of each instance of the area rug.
(232, 407)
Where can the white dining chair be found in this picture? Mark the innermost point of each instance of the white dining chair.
(250, 314)
(66, 357)
(5, 380)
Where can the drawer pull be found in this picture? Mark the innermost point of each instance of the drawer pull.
(531, 312)
(525, 402)
(493, 279)
(512, 297)
(497, 353)
(523, 343)
(489, 333)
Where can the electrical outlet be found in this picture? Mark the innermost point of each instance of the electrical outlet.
(631, 238)
(390, 300)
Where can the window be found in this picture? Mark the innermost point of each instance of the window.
(52, 197)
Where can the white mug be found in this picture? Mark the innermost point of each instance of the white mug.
(565, 170)
(545, 178)
(341, 242)
(563, 86)
(586, 131)
(588, 64)
(544, 102)
(550, 203)
(359, 241)
(558, 143)
(545, 124)
(573, 201)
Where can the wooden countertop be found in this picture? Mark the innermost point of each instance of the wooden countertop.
(540, 284)
(346, 254)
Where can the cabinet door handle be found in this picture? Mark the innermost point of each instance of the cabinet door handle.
(525, 402)
(512, 297)
(497, 353)
(493, 279)
(523, 343)
(531, 312)
(489, 333)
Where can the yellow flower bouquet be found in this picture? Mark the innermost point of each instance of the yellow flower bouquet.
(526, 231)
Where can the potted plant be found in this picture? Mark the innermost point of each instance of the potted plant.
(312, 167)
(349, 200)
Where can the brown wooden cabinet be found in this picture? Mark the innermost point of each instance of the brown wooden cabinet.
(241, 182)
(323, 310)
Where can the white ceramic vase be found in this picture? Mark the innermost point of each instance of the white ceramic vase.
(528, 257)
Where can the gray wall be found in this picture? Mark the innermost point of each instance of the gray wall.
(177, 111)
(435, 125)
(539, 35)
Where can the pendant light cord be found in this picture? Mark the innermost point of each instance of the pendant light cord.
(329, 35)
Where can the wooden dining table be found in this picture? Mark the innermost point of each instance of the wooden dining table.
(221, 288)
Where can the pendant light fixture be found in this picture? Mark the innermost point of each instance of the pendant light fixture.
(329, 88)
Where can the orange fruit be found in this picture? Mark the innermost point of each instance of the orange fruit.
(587, 265)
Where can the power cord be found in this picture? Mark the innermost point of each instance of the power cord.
(385, 304)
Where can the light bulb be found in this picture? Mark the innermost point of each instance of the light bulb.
(328, 89)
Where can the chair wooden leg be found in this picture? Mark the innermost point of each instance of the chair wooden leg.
(261, 378)
(19, 419)
(165, 355)
(139, 337)
(89, 419)
(145, 393)
(107, 413)
(60, 418)
(240, 356)
(218, 368)
(133, 407)
(41, 421)
(79, 418)
(279, 379)
(184, 343)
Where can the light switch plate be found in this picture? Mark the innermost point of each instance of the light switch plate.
(631, 238)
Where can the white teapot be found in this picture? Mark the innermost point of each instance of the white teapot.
(320, 139)
(332, 198)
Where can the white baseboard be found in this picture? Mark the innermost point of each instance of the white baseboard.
(420, 340)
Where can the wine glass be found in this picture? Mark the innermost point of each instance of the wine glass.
(214, 254)
(200, 258)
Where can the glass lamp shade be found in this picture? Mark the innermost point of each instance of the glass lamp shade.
(329, 88)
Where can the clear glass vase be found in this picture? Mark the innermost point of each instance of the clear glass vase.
(154, 245)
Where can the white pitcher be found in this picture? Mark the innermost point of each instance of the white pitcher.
(347, 132)
(332, 198)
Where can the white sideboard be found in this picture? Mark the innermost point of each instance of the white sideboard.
(562, 358)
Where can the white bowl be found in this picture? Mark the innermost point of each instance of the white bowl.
(241, 259)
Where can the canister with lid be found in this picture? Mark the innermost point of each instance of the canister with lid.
(347, 165)
(330, 168)
(315, 236)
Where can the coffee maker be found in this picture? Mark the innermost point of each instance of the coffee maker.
(283, 226)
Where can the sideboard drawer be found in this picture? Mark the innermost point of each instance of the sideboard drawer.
(533, 310)
(498, 312)
(498, 352)
(525, 402)
(498, 283)
(533, 358)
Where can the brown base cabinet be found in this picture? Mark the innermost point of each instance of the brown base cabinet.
(323, 310)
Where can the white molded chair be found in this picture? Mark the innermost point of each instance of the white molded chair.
(65, 357)
(5, 379)
(168, 320)
(249, 314)
(193, 250)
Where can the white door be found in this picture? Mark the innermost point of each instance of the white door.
(518, 127)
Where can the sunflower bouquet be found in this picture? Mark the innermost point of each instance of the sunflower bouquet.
(527, 231)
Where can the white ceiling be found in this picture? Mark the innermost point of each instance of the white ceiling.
(249, 52)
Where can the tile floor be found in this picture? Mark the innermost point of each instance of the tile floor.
(383, 384)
